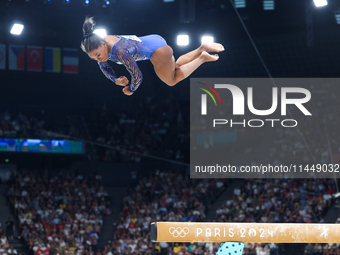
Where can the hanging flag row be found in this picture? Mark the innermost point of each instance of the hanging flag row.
(52, 60)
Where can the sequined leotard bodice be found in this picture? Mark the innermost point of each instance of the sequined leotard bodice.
(129, 49)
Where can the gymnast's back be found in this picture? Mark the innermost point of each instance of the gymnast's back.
(140, 48)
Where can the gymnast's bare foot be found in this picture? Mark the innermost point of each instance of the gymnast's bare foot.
(206, 57)
(212, 47)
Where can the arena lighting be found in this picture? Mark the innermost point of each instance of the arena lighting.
(240, 3)
(17, 29)
(101, 32)
(106, 3)
(182, 40)
(86, 2)
(320, 3)
(268, 5)
(337, 16)
(207, 38)
(168, 1)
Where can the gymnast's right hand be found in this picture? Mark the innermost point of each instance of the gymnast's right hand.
(122, 81)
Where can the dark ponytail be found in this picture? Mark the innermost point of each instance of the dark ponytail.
(91, 41)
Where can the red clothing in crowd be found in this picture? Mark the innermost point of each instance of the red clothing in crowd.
(39, 252)
(132, 225)
(60, 226)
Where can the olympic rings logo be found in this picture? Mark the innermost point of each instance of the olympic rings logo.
(176, 232)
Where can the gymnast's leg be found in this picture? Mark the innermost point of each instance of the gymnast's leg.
(190, 56)
(172, 72)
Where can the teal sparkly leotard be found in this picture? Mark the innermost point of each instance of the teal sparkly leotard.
(129, 49)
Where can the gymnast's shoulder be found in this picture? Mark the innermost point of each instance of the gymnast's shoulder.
(111, 39)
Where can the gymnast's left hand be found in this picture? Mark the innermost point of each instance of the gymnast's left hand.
(127, 91)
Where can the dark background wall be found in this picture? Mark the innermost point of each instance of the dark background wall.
(280, 36)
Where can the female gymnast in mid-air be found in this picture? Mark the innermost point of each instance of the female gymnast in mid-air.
(127, 50)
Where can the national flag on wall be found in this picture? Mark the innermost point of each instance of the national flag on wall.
(70, 60)
(34, 58)
(53, 60)
(2, 56)
(16, 57)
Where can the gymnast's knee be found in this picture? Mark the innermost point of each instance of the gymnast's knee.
(176, 77)
(172, 83)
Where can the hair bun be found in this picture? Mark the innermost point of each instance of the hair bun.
(88, 26)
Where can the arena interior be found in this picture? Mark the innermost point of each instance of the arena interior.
(85, 169)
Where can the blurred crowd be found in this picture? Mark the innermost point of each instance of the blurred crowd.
(20, 125)
(153, 128)
(5, 247)
(316, 138)
(279, 201)
(322, 249)
(62, 213)
(58, 214)
(162, 196)
(161, 127)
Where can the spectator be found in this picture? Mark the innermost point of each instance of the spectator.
(55, 220)
(11, 251)
(10, 228)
